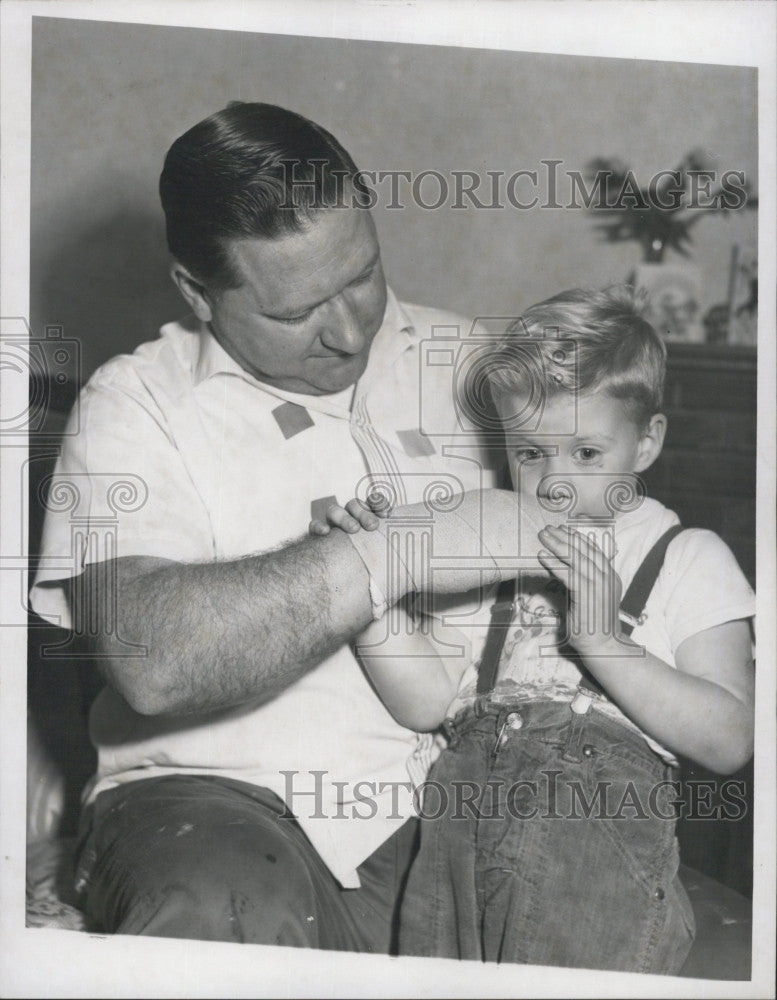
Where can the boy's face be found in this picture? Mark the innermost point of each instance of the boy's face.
(577, 448)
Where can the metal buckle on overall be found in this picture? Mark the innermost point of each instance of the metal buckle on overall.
(624, 616)
(582, 701)
(450, 731)
(481, 705)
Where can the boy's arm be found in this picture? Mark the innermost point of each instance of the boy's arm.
(415, 663)
(703, 709)
(416, 673)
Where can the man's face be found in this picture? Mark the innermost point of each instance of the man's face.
(309, 306)
(578, 448)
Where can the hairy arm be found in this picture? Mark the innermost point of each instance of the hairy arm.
(220, 634)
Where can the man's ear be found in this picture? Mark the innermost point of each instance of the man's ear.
(651, 442)
(193, 291)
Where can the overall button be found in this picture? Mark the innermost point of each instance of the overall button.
(513, 720)
(659, 893)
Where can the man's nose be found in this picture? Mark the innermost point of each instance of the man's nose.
(342, 327)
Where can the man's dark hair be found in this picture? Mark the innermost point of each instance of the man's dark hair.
(249, 171)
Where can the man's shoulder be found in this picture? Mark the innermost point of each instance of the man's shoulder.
(170, 356)
(431, 321)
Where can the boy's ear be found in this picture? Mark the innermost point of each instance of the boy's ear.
(651, 442)
(193, 291)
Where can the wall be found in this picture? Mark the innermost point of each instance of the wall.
(108, 99)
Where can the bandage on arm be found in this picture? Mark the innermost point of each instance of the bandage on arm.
(478, 538)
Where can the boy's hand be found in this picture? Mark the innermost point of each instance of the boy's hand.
(594, 588)
(351, 518)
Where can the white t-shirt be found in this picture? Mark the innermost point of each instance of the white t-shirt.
(175, 451)
(700, 585)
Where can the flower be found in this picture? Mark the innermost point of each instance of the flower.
(661, 215)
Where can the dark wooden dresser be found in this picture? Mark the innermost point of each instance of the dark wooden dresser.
(707, 474)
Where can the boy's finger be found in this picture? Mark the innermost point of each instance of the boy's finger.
(557, 540)
(318, 528)
(574, 551)
(587, 561)
(587, 549)
(550, 562)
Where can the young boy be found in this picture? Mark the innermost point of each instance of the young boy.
(551, 836)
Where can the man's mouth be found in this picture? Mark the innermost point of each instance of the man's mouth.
(340, 356)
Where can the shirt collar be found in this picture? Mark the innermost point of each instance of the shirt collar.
(212, 359)
(394, 336)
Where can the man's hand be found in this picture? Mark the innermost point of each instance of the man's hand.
(594, 587)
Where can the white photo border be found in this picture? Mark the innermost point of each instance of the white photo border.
(38, 962)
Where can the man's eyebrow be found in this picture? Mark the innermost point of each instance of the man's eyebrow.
(308, 309)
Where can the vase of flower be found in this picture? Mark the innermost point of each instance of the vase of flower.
(661, 217)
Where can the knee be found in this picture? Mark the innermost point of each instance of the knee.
(264, 896)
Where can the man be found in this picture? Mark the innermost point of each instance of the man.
(233, 698)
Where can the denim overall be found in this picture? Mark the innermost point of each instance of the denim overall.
(548, 838)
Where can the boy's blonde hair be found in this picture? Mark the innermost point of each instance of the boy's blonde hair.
(616, 351)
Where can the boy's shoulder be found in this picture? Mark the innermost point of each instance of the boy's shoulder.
(692, 549)
(700, 585)
(701, 550)
(697, 557)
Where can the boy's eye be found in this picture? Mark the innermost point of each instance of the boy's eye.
(529, 454)
(588, 454)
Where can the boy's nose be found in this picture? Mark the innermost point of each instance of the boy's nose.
(557, 475)
(558, 492)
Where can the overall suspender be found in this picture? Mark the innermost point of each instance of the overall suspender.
(631, 614)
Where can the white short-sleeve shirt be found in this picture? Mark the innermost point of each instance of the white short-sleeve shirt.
(175, 451)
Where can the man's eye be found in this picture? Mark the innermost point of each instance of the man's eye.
(364, 278)
(291, 320)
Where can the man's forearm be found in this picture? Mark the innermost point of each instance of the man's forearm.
(222, 634)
